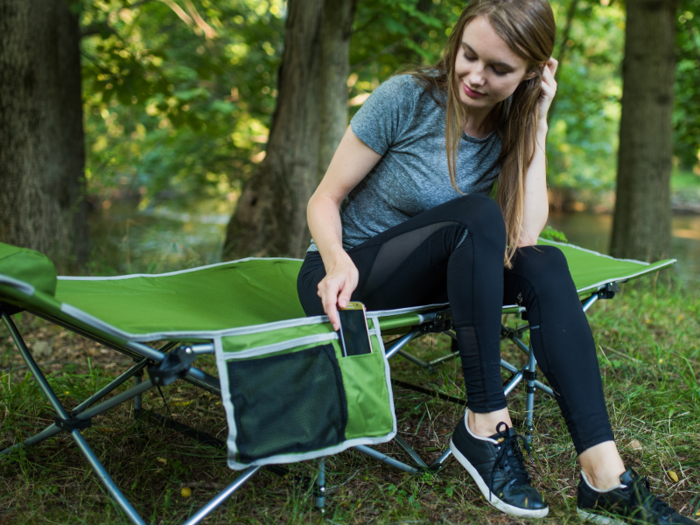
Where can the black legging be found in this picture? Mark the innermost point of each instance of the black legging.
(454, 252)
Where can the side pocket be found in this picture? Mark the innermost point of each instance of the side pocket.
(289, 403)
(370, 412)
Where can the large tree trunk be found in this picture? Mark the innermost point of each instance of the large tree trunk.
(270, 218)
(42, 185)
(642, 223)
(335, 68)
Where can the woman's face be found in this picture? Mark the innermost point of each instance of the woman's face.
(487, 70)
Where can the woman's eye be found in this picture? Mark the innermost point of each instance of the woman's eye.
(469, 57)
(499, 72)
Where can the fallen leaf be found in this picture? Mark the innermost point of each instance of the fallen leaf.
(635, 445)
(186, 492)
(163, 461)
(673, 476)
(42, 349)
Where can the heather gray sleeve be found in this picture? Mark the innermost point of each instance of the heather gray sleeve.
(386, 113)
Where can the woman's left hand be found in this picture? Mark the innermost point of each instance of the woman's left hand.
(549, 87)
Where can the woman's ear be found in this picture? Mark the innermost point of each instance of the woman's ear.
(530, 75)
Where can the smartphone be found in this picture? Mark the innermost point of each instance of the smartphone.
(354, 334)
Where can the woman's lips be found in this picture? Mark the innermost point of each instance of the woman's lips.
(471, 93)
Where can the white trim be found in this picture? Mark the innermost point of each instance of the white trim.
(16, 283)
(94, 321)
(598, 253)
(243, 330)
(601, 284)
(226, 397)
(279, 347)
(190, 334)
(178, 272)
(399, 311)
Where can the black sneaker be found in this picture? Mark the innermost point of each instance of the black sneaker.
(629, 502)
(496, 463)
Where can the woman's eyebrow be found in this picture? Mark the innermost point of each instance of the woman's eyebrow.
(504, 65)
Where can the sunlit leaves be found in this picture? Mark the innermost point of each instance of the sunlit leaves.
(686, 117)
(147, 68)
(167, 106)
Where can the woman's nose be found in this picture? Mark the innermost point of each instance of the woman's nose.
(476, 75)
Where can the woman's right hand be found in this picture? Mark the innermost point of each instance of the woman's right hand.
(336, 288)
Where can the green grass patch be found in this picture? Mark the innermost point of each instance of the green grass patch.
(648, 341)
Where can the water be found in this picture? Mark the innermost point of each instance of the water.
(159, 239)
(593, 232)
(170, 237)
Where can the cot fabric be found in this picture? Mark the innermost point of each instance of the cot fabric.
(226, 296)
(29, 267)
(218, 297)
(591, 270)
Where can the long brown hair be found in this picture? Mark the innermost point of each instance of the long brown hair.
(528, 27)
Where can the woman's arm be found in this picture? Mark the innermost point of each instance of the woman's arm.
(351, 162)
(536, 209)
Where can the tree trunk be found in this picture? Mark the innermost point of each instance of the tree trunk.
(42, 155)
(642, 222)
(270, 219)
(335, 68)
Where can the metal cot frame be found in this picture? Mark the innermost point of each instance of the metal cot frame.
(174, 360)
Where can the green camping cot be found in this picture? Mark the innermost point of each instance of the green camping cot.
(248, 315)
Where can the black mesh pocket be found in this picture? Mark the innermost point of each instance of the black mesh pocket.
(287, 403)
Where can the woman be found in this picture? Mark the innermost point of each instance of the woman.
(417, 164)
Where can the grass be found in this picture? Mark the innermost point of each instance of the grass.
(649, 354)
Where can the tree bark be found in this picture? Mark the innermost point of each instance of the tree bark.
(338, 16)
(42, 155)
(270, 219)
(642, 221)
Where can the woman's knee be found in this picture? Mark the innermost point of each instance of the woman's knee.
(545, 267)
(480, 214)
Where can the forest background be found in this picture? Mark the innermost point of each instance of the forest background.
(174, 109)
(178, 97)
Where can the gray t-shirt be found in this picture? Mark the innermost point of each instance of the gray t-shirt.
(402, 122)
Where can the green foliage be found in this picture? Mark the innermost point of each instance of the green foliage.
(177, 98)
(551, 234)
(686, 117)
(582, 140)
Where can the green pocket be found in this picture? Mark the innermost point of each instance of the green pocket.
(370, 411)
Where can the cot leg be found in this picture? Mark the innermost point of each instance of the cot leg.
(440, 462)
(320, 490)
(409, 450)
(66, 420)
(218, 500)
(413, 359)
(138, 400)
(386, 459)
(530, 374)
